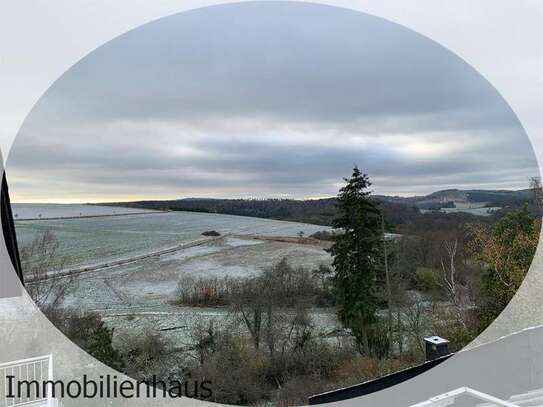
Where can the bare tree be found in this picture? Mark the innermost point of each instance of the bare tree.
(205, 338)
(387, 284)
(39, 260)
(537, 191)
(248, 303)
(449, 282)
(416, 321)
(265, 305)
(457, 293)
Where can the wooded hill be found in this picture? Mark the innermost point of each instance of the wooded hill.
(397, 210)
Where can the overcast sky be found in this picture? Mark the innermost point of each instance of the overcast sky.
(266, 100)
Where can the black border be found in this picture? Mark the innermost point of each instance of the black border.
(8, 229)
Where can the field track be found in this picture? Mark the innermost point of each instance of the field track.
(106, 215)
(95, 267)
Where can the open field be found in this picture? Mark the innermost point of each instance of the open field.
(473, 208)
(484, 211)
(91, 241)
(155, 251)
(47, 211)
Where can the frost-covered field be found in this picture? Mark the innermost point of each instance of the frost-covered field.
(474, 211)
(37, 211)
(90, 241)
(138, 295)
(474, 208)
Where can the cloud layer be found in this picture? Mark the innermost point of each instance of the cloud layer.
(266, 99)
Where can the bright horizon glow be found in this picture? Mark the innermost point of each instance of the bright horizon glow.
(135, 198)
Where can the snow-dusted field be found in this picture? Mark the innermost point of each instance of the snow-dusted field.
(138, 295)
(89, 241)
(42, 211)
(474, 208)
(474, 211)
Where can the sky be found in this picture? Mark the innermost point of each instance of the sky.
(260, 100)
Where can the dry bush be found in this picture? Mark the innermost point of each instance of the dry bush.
(280, 280)
(204, 292)
(144, 355)
(38, 260)
(357, 370)
(297, 391)
(205, 338)
(277, 346)
(318, 358)
(265, 305)
(236, 372)
(242, 374)
(362, 368)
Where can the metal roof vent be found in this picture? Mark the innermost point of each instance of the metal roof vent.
(436, 347)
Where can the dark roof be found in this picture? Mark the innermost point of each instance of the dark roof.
(377, 384)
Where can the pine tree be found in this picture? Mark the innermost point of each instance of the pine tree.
(357, 254)
(100, 345)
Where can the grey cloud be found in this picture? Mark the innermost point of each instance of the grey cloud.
(292, 61)
(269, 98)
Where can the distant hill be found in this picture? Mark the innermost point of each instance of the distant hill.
(448, 197)
(397, 210)
(319, 211)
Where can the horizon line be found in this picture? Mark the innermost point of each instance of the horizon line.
(93, 202)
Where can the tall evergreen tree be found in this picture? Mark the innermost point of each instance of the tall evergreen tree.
(357, 254)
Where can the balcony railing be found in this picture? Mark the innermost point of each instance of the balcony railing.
(37, 369)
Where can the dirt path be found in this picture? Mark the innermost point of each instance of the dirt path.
(114, 263)
(309, 241)
(107, 215)
(117, 292)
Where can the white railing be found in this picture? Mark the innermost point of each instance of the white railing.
(39, 369)
(448, 398)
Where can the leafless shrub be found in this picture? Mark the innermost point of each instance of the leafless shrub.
(39, 260)
(297, 391)
(204, 292)
(262, 303)
(236, 372)
(144, 355)
(417, 323)
(205, 338)
(284, 283)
